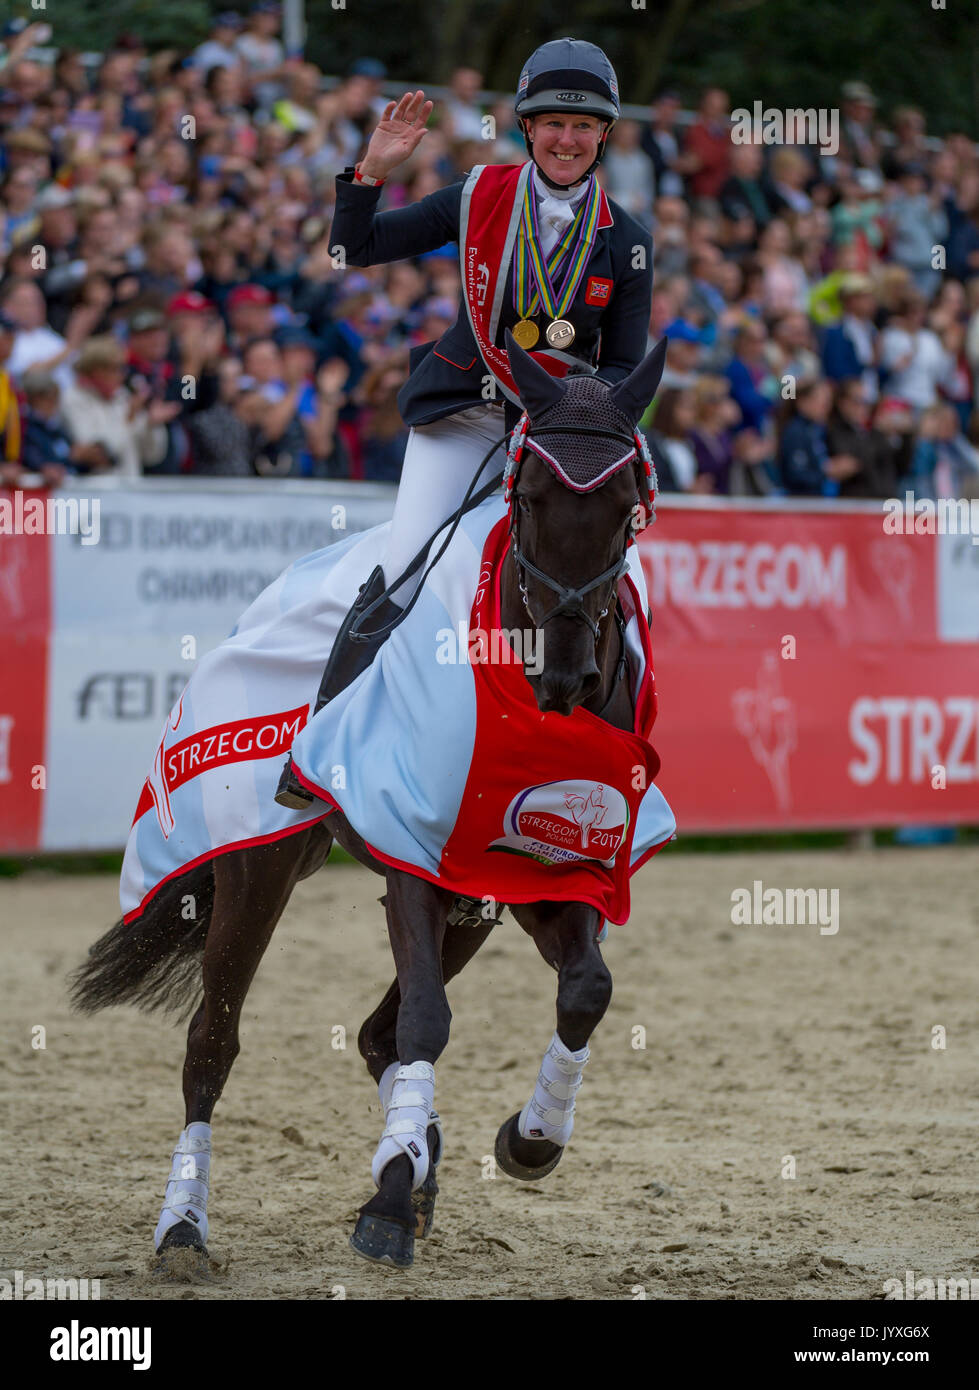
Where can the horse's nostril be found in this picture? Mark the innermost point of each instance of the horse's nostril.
(561, 694)
(590, 684)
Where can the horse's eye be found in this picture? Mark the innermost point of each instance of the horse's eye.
(522, 503)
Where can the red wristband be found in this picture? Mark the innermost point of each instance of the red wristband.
(367, 182)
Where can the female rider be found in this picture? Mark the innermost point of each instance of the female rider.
(543, 252)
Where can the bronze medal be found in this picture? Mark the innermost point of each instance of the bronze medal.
(560, 333)
(526, 333)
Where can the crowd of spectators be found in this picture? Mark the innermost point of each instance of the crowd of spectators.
(170, 303)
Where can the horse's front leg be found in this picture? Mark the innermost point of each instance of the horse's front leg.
(378, 1047)
(531, 1142)
(416, 915)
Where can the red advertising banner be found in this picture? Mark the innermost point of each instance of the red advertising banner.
(802, 680)
(25, 626)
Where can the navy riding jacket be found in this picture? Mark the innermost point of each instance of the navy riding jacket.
(447, 374)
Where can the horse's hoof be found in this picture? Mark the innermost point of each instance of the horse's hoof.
(423, 1205)
(182, 1254)
(383, 1240)
(509, 1142)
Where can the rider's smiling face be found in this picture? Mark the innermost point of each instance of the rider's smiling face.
(565, 145)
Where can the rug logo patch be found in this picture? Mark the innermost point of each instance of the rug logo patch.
(566, 822)
(260, 736)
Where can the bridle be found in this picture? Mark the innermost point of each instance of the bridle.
(569, 597)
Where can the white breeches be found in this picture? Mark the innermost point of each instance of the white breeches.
(440, 460)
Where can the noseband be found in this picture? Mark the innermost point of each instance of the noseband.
(570, 599)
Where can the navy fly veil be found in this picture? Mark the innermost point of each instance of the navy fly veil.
(593, 449)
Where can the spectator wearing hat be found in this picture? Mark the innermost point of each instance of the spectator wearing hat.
(850, 347)
(48, 448)
(28, 149)
(262, 53)
(249, 309)
(148, 366)
(684, 355)
(917, 222)
(858, 138)
(58, 234)
(218, 49)
(367, 76)
(99, 409)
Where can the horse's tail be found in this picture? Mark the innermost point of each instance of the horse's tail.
(154, 962)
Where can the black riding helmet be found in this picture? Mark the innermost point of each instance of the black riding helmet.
(568, 75)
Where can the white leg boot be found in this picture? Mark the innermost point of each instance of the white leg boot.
(408, 1097)
(187, 1187)
(549, 1114)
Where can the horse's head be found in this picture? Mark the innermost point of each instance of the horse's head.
(579, 489)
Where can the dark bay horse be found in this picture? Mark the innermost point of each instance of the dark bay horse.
(569, 539)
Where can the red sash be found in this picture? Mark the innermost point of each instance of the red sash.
(550, 804)
(492, 201)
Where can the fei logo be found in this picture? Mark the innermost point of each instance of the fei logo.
(565, 822)
(482, 284)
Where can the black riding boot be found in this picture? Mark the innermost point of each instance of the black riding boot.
(347, 659)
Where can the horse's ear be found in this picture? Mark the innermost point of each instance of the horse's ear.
(538, 390)
(634, 394)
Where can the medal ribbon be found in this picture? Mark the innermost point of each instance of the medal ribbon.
(532, 280)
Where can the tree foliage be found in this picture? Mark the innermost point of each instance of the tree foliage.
(781, 52)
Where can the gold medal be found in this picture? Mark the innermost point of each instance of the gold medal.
(526, 333)
(560, 333)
